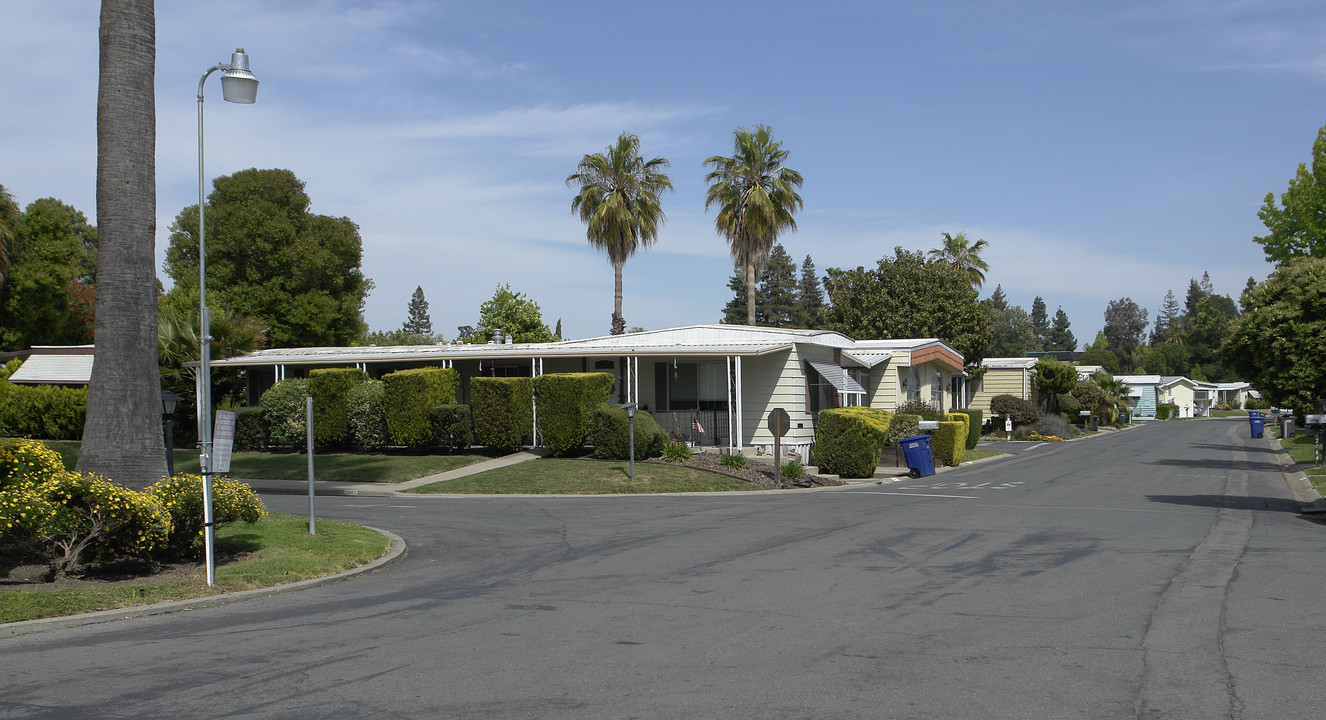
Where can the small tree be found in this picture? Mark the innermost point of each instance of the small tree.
(417, 321)
(1052, 379)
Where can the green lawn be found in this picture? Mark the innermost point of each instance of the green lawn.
(1229, 413)
(279, 548)
(388, 467)
(587, 477)
(979, 454)
(1301, 451)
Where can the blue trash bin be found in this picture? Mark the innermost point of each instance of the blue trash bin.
(917, 451)
(1258, 425)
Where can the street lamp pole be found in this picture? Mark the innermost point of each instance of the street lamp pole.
(238, 85)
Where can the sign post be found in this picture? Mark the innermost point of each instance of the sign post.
(778, 424)
(223, 442)
(1008, 428)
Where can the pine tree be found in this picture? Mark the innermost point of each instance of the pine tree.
(1169, 322)
(734, 312)
(1059, 336)
(1040, 322)
(776, 295)
(998, 299)
(417, 321)
(810, 298)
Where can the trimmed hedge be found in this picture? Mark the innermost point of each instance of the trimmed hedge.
(566, 403)
(329, 388)
(408, 396)
(453, 426)
(503, 411)
(283, 409)
(1022, 411)
(1166, 411)
(957, 416)
(975, 419)
(251, 429)
(949, 442)
(611, 435)
(50, 412)
(366, 414)
(848, 441)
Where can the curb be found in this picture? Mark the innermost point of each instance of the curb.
(394, 553)
(1309, 500)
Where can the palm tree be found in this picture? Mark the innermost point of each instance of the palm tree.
(964, 255)
(618, 202)
(756, 196)
(9, 216)
(122, 433)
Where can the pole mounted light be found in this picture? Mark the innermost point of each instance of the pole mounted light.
(238, 85)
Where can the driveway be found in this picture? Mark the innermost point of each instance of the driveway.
(1160, 572)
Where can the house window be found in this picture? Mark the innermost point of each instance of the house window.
(937, 391)
(690, 386)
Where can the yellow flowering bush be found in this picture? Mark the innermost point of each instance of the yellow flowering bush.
(182, 498)
(27, 463)
(94, 514)
(24, 513)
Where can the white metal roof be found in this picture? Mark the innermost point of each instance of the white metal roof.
(54, 370)
(1015, 363)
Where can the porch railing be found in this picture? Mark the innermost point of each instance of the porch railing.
(700, 427)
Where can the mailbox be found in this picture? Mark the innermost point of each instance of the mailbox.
(1314, 422)
(929, 424)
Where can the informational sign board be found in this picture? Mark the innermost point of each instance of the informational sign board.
(223, 441)
(1008, 424)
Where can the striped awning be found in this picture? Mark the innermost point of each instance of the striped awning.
(838, 377)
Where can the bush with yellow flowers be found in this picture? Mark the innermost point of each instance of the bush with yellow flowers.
(93, 516)
(27, 462)
(182, 497)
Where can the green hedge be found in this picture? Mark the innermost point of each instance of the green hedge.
(949, 442)
(1165, 411)
(283, 409)
(848, 441)
(611, 435)
(250, 429)
(566, 404)
(329, 388)
(408, 396)
(503, 411)
(960, 417)
(49, 412)
(903, 425)
(366, 414)
(975, 418)
(453, 426)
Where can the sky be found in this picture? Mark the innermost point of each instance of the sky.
(1103, 150)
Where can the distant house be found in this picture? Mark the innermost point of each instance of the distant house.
(1004, 376)
(706, 384)
(54, 365)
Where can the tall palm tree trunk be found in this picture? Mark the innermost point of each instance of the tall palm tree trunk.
(750, 292)
(122, 434)
(619, 327)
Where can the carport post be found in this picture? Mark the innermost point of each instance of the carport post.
(308, 421)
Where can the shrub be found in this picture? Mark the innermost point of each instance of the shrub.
(24, 512)
(733, 461)
(1164, 412)
(250, 429)
(43, 411)
(366, 414)
(611, 434)
(949, 442)
(1054, 425)
(93, 513)
(453, 428)
(283, 409)
(1090, 397)
(1068, 404)
(566, 404)
(919, 407)
(975, 418)
(503, 411)
(847, 444)
(1021, 411)
(677, 452)
(182, 498)
(963, 418)
(408, 397)
(902, 426)
(792, 470)
(26, 463)
(876, 418)
(329, 388)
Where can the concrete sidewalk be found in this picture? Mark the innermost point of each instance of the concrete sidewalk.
(329, 488)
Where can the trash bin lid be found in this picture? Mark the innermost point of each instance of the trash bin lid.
(914, 438)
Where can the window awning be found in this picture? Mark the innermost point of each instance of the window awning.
(838, 377)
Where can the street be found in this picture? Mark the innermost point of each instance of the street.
(1159, 572)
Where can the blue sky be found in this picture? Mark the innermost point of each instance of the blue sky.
(1102, 149)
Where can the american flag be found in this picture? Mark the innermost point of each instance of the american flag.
(695, 424)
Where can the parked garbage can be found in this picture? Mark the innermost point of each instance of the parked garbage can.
(1093, 423)
(917, 450)
(1258, 425)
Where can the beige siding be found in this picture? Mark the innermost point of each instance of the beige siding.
(884, 386)
(777, 380)
(1001, 381)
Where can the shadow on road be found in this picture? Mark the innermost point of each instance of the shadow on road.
(1215, 464)
(1227, 501)
(1247, 448)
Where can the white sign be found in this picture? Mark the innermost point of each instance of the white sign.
(223, 441)
(1008, 424)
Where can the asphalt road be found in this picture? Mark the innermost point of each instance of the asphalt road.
(1161, 572)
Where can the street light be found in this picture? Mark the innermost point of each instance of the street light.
(238, 85)
(168, 402)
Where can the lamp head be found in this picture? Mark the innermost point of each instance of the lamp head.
(168, 402)
(238, 85)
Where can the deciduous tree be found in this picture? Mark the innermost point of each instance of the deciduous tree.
(517, 316)
(52, 259)
(1125, 326)
(1279, 343)
(1297, 224)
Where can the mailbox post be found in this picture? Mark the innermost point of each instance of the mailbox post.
(1314, 425)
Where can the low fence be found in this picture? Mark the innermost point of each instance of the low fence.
(698, 427)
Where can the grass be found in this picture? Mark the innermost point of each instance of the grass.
(385, 467)
(279, 548)
(1301, 451)
(979, 454)
(587, 477)
(1229, 413)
